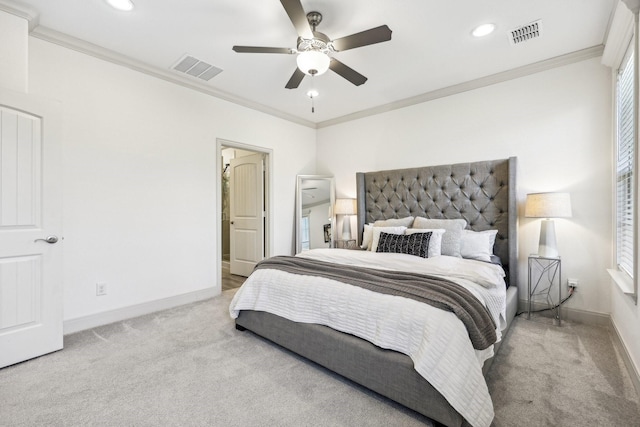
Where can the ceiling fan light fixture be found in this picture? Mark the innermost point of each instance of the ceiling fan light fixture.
(313, 62)
(483, 30)
(123, 5)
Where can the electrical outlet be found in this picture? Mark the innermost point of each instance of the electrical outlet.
(572, 283)
(101, 289)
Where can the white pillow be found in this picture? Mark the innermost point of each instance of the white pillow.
(394, 222)
(367, 233)
(367, 236)
(477, 244)
(435, 243)
(378, 230)
(451, 238)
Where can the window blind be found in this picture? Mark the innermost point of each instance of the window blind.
(625, 168)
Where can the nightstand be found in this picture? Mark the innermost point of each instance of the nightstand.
(544, 274)
(346, 244)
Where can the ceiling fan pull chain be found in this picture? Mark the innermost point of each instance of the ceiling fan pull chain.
(312, 93)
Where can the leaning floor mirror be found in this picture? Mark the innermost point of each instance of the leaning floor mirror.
(315, 196)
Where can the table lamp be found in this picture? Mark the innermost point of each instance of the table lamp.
(346, 208)
(548, 205)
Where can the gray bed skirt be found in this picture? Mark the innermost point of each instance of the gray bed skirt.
(355, 359)
(384, 371)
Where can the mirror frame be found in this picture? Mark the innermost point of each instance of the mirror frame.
(332, 199)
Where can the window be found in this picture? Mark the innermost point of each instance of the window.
(304, 232)
(625, 167)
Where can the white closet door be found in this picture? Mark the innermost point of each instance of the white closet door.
(30, 209)
(246, 205)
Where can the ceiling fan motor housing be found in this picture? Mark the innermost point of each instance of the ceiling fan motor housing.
(314, 18)
(313, 58)
(319, 42)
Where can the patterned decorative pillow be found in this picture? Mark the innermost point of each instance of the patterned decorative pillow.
(375, 234)
(435, 243)
(413, 244)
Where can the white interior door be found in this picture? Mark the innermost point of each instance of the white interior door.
(30, 227)
(246, 206)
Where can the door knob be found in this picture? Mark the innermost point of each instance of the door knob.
(50, 239)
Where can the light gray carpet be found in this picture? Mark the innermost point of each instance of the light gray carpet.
(571, 375)
(186, 366)
(189, 367)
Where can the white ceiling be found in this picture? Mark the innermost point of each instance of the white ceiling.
(431, 46)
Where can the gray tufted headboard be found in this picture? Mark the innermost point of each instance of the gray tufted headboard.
(483, 193)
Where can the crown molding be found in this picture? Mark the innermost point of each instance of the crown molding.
(70, 42)
(619, 36)
(558, 61)
(21, 10)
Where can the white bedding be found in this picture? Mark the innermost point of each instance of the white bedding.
(436, 340)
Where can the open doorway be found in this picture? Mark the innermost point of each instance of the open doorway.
(244, 220)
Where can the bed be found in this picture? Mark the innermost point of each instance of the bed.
(480, 193)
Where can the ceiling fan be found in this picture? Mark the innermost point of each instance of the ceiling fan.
(314, 48)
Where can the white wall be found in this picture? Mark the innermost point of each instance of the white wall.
(13, 51)
(139, 178)
(558, 124)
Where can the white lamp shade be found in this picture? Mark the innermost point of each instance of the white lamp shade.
(312, 62)
(345, 207)
(548, 205)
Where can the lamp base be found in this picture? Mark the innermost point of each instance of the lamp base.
(346, 227)
(547, 246)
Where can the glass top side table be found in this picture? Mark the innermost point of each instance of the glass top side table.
(544, 274)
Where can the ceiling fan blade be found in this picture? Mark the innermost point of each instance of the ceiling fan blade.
(348, 73)
(298, 18)
(364, 38)
(295, 79)
(258, 49)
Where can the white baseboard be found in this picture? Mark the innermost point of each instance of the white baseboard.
(626, 357)
(567, 313)
(93, 320)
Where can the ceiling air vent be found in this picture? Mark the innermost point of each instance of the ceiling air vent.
(525, 33)
(196, 68)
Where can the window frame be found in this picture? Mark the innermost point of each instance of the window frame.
(625, 166)
(625, 279)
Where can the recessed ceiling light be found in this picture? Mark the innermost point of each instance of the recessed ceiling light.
(124, 5)
(483, 30)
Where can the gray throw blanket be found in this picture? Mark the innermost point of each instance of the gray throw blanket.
(435, 291)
